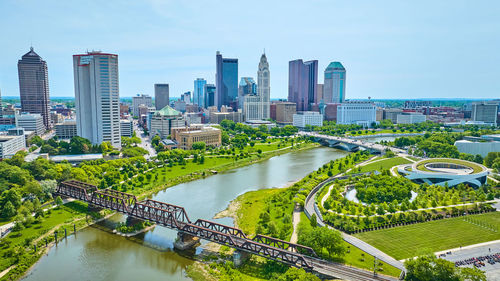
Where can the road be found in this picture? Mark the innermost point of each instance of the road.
(310, 208)
(145, 143)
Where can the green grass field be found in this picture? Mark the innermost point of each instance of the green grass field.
(406, 241)
(383, 164)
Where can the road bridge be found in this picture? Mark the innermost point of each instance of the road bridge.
(350, 144)
(176, 218)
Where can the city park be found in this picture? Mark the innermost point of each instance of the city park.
(400, 220)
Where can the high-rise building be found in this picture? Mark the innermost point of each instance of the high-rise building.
(186, 97)
(161, 96)
(264, 87)
(31, 122)
(97, 97)
(334, 86)
(285, 112)
(209, 95)
(319, 94)
(34, 86)
(140, 100)
(302, 83)
(226, 80)
(246, 87)
(198, 95)
(486, 112)
(357, 112)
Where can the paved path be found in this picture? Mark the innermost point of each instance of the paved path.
(295, 221)
(145, 143)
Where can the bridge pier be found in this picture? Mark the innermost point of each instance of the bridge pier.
(239, 257)
(185, 241)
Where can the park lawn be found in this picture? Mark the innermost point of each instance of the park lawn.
(407, 241)
(472, 165)
(413, 158)
(383, 164)
(356, 257)
(249, 206)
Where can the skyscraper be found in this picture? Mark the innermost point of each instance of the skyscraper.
(97, 97)
(302, 83)
(226, 80)
(334, 87)
(209, 92)
(140, 100)
(198, 95)
(246, 87)
(264, 87)
(161, 96)
(34, 85)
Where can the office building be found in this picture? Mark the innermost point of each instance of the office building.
(97, 97)
(319, 94)
(391, 114)
(334, 86)
(10, 145)
(410, 118)
(162, 122)
(477, 147)
(34, 86)
(186, 136)
(126, 128)
(162, 97)
(31, 122)
(357, 112)
(198, 94)
(486, 112)
(186, 97)
(66, 129)
(226, 81)
(302, 83)
(264, 88)
(330, 111)
(217, 117)
(285, 112)
(302, 119)
(209, 95)
(140, 100)
(247, 86)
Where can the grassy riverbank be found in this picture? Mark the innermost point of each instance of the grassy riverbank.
(17, 252)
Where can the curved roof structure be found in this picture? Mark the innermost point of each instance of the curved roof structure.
(441, 171)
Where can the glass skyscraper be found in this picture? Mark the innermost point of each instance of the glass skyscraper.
(209, 92)
(334, 87)
(302, 83)
(34, 85)
(226, 81)
(199, 87)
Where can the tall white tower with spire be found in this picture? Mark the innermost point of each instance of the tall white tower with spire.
(263, 86)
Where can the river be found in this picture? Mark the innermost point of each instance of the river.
(94, 254)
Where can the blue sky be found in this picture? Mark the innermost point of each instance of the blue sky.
(391, 49)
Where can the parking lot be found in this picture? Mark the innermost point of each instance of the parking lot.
(480, 250)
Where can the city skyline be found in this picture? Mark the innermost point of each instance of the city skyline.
(389, 49)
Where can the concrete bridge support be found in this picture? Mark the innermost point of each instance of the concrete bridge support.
(239, 257)
(185, 241)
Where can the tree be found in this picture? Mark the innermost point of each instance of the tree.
(199, 145)
(427, 267)
(59, 201)
(297, 274)
(324, 241)
(314, 221)
(8, 210)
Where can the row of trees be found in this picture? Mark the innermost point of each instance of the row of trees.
(77, 145)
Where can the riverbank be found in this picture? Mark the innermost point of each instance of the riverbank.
(68, 220)
(212, 170)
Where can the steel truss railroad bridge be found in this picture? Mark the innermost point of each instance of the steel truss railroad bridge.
(175, 217)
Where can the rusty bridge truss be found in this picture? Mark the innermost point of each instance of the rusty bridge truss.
(175, 217)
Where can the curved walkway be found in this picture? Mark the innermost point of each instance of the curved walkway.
(310, 208)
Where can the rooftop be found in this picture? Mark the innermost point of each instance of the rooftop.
(335, 65)
(167, 111)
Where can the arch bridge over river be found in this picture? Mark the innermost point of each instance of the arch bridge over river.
(175, 217)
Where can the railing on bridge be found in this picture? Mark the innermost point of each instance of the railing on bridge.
(175, 217)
